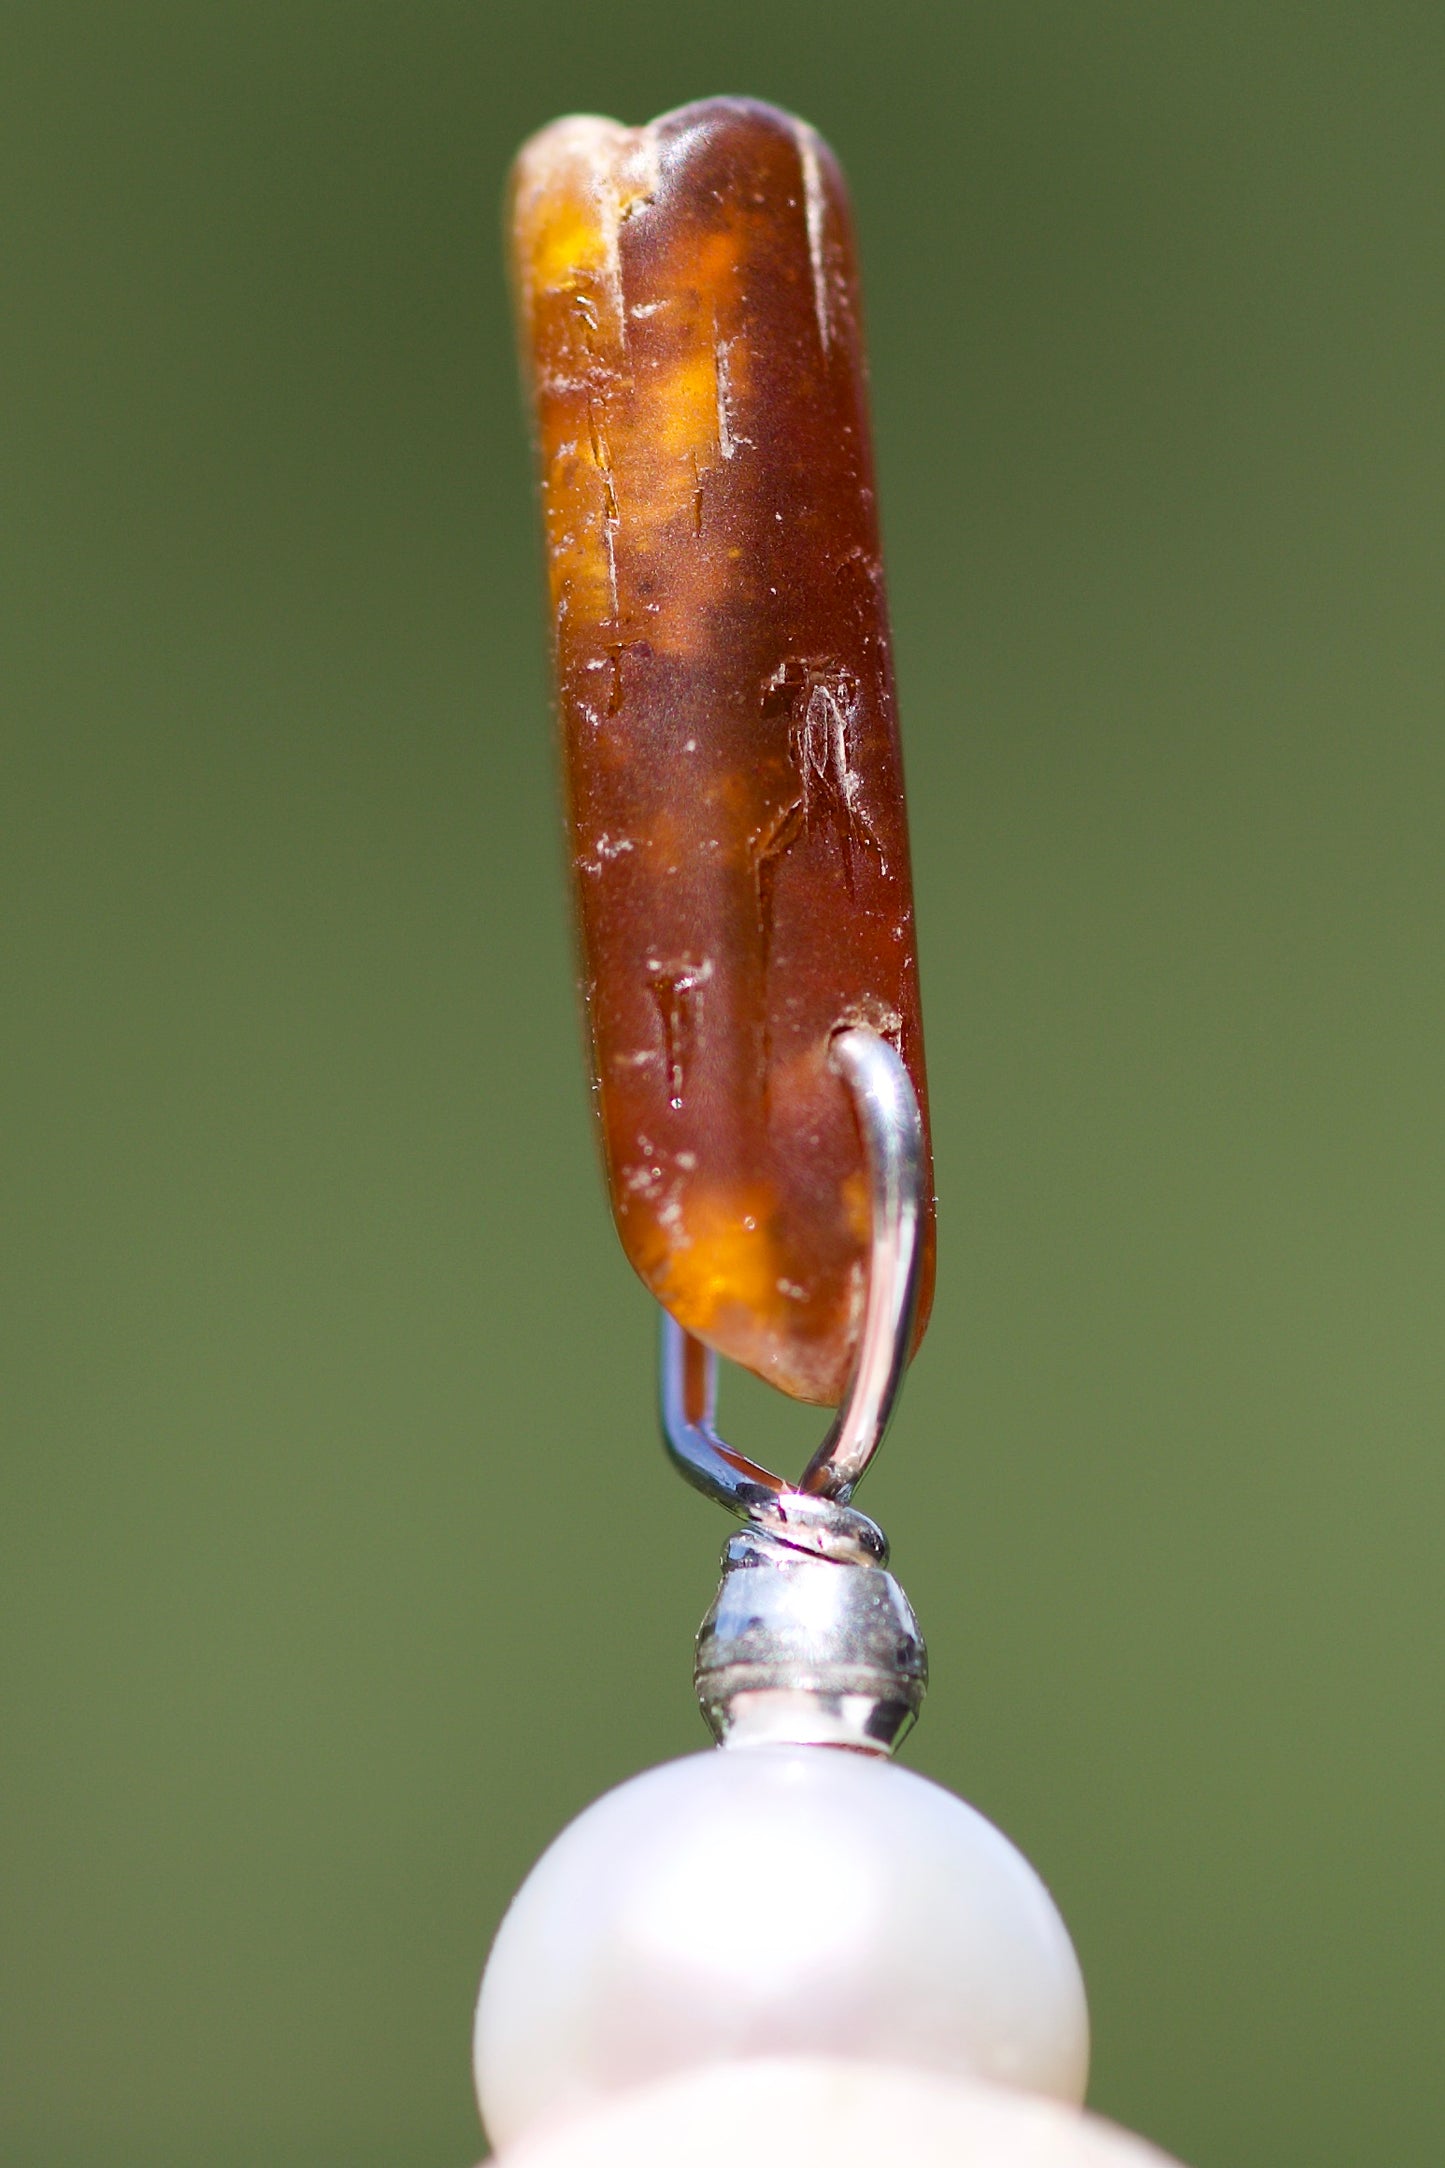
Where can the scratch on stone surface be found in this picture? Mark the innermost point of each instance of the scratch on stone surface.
(766, 853)
(677, 990)
(610, 544)
(728, 438)
(725, 443)
(823, 739)
(824, 699)
(634, 182)
(813, 211)
(602, 459)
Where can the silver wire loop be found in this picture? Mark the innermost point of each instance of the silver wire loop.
(815, 1514)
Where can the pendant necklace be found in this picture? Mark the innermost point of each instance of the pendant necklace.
(688, 303)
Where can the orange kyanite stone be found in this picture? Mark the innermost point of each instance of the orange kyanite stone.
(688, 301)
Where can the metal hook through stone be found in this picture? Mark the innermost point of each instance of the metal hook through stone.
(815, 1515)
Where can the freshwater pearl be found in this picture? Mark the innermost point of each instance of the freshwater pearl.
(805, 2112)
(774, 1900)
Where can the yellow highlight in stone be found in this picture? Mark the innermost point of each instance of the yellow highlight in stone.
(723, 1260)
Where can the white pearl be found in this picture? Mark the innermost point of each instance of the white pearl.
(774, 1900)
(805, 2112)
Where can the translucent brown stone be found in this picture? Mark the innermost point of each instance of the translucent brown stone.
(688, 302)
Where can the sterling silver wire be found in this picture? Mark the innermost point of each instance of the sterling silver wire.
(815, 1515)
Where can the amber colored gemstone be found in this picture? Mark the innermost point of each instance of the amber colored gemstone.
(689, 309)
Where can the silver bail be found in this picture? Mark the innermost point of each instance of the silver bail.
(813, 1651)
(891, 1127)
(810, 1640)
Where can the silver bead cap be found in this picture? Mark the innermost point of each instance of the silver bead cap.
(808, 1650)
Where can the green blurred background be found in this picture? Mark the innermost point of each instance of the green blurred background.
(340, 1563)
